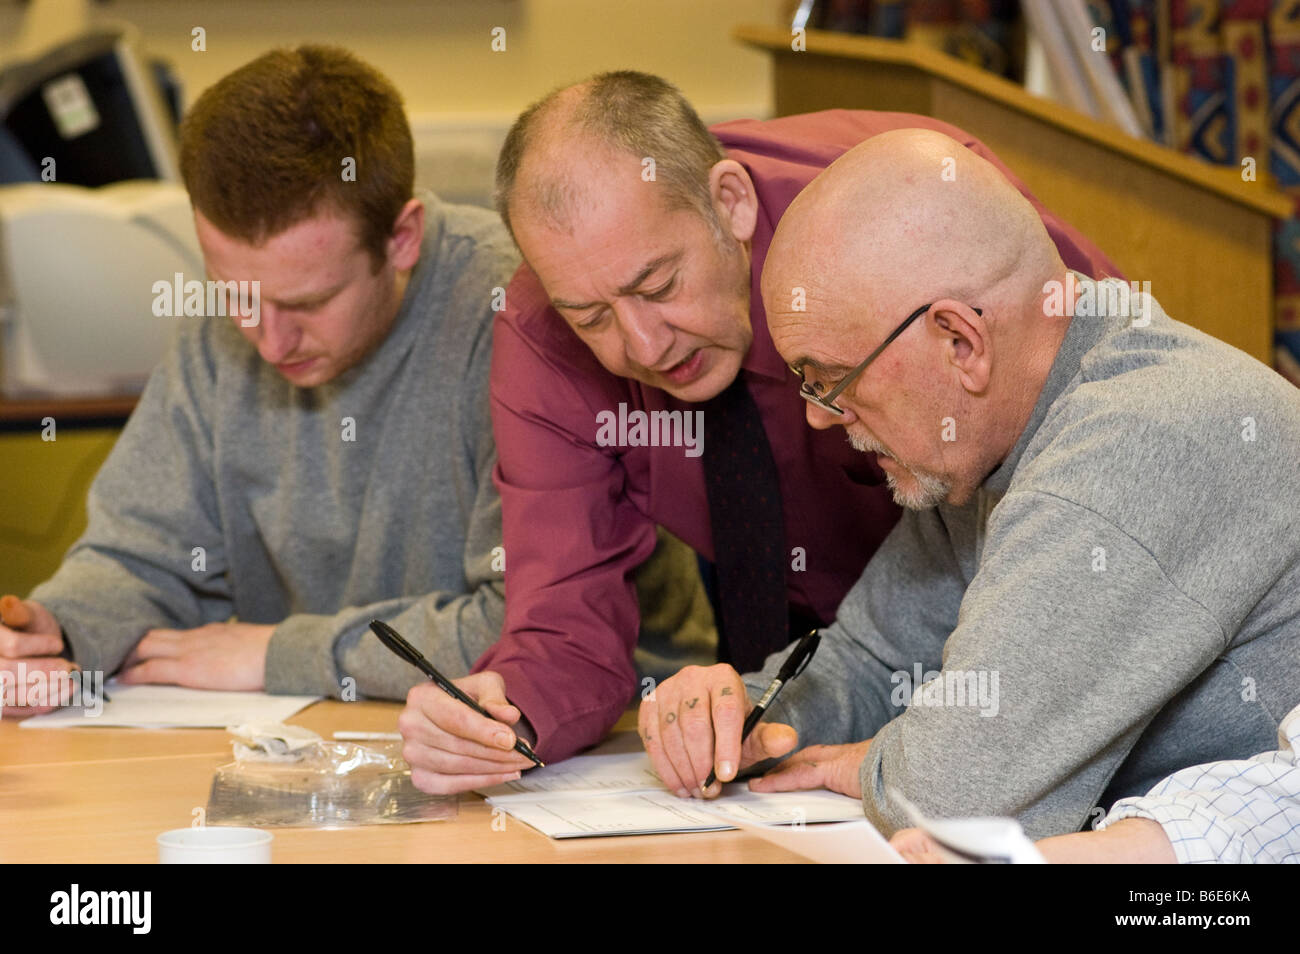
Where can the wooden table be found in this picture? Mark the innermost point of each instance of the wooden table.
(89, 795)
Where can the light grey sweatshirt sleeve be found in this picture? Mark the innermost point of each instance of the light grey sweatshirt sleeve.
(153, 553)
(1042, 621)
(896, 617)
(312, 653)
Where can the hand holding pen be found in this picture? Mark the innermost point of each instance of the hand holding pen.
(694, 725)
(458, 735)
(794, 664)
(30, 636)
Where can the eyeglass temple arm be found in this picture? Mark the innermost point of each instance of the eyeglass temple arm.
(848, 378)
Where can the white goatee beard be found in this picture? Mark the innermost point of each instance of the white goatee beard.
(930, 490)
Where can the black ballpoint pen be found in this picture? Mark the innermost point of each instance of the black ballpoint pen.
(393, 640)
(793, 665)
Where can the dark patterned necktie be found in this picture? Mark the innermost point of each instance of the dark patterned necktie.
(748, 530)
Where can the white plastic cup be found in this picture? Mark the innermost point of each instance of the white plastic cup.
(215, 845)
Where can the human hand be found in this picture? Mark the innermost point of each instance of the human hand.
(917, 847)
(818, 766)
(691, 725)
(33, 639)
(229, 656)
(450, 747)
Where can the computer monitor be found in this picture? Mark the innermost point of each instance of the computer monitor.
(90, 105)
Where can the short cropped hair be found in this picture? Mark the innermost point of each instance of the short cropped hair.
(636, 113)
(266, 147)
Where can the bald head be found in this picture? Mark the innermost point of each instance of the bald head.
(911, 218)
(547, 183)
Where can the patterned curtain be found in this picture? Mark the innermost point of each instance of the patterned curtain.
(1231, 70)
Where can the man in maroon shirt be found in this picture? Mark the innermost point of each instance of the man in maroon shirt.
(644, 240)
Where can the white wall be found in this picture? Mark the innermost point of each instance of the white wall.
(461, 95)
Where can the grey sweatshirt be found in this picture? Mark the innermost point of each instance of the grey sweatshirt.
(1119, 601)
(316, 509)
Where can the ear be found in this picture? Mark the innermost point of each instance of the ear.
(408, 232)
(734, 198)
(969, 349)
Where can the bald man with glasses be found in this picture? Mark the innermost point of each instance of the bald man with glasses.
(1096, 581)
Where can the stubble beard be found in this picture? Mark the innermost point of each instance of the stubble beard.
(930, 490)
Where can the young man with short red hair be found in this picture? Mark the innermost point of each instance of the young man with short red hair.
(290, 474)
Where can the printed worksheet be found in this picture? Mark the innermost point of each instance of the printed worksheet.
(625, 772)
(620, 795)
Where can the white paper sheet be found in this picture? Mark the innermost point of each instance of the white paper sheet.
(850, 843)
(619, 794)
(592, 774)
(162, 707)
(966, 841)
(650, 813)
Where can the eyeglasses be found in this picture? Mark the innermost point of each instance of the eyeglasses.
(827, 403)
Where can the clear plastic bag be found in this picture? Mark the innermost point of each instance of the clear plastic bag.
(333, 785)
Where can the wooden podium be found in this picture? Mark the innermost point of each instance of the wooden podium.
(1199, 234)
